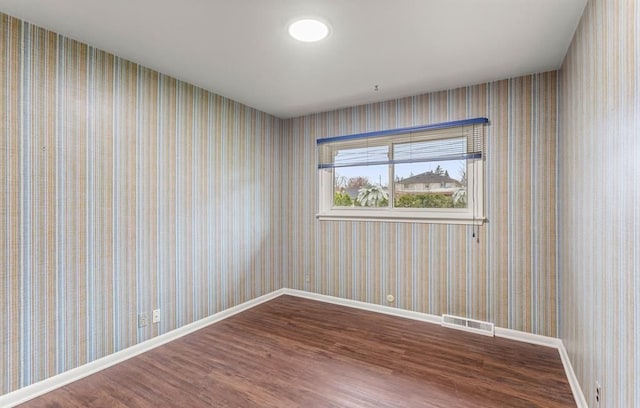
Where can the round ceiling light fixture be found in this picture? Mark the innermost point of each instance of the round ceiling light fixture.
(308, 30)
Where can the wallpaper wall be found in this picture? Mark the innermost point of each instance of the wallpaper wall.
(122, 190)
(508, 278)
(599, 202)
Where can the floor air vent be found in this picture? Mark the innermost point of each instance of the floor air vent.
(470, 325)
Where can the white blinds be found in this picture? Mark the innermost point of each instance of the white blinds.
(461, 140)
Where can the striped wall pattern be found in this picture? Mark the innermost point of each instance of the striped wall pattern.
(599, 202)
(122, 190)
(508, 278)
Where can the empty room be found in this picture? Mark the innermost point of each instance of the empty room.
(320, 203)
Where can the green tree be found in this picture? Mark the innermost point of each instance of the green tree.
(342, 199)
(436, 201)
(373, 196)
(424, 201)
(407, 201)
(460, 198)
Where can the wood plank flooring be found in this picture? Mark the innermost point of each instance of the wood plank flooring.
(294, 352)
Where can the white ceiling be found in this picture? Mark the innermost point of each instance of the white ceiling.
(241, 49)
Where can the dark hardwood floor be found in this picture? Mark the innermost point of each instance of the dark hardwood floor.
(293, 352)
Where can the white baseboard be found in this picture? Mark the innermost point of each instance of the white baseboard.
(429, 318)
(423, 317)
(571, 376)
(29, 392)
(528, 337)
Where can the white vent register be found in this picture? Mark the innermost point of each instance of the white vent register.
(470, 325)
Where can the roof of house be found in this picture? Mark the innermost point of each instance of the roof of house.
(428, 177)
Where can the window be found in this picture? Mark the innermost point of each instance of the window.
(430, 173)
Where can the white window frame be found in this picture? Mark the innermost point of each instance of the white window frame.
(472, 215)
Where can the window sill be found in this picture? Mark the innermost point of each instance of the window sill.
(384, 216)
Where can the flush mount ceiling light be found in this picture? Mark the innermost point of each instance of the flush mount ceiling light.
(308, 30)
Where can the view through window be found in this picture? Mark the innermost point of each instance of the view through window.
(424, 175)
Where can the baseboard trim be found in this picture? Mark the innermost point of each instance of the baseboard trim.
(32, 391)
(27, 393)
(423, 317)
(429, 318)
(571, 376)
(525, 337)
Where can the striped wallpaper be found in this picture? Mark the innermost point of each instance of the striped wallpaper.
(122, 190)
(508, 278)
(599, 202)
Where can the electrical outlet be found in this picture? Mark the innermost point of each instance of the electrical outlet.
(598, 393)
(143, 319)
(156, 316)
